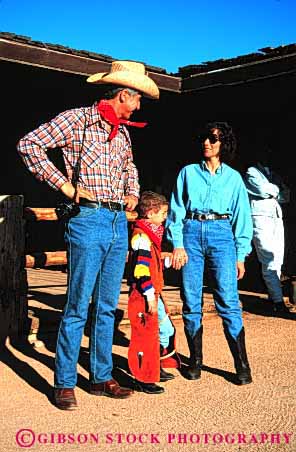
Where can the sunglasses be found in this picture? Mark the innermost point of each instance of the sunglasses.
(209, 136)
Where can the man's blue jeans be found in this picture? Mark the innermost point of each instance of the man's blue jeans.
(97, 243)
(211, 242)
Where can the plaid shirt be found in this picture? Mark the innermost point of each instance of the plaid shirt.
(106, 169)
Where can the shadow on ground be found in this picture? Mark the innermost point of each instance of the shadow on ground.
(228, 376)
(263, 307)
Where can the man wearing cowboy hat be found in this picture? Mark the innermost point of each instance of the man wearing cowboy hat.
(96, 237)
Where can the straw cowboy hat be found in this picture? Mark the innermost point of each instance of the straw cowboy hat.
(129, 74)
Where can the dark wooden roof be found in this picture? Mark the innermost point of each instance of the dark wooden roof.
(22, 49)
(266, 63)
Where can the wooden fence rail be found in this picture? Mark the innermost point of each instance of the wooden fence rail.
(45, 259)
(50, 258)
(48, 214)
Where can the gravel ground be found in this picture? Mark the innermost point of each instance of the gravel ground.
(211, 414)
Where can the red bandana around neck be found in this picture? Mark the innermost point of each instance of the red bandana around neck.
(154, 232)
(107, 112)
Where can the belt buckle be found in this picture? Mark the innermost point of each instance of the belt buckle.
(110, 205)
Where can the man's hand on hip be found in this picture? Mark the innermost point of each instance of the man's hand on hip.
(71, 193)
(130, 202)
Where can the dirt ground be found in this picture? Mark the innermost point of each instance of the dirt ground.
(211, 414)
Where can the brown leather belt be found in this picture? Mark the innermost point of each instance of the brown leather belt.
(206, 216)
(114, 206)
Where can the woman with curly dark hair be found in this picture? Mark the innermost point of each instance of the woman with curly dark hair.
(209, 222)
(227, 139)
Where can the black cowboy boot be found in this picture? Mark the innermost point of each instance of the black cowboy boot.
(193, 372)
(164, 376)
(239, 353)
(148, 388)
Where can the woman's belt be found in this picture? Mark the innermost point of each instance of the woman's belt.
(206, 216)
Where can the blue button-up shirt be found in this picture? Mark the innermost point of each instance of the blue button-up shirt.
(197, 190)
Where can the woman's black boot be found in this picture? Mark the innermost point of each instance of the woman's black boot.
(239, 353)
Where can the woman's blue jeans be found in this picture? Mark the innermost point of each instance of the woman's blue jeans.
(210, 242)
(97, 242)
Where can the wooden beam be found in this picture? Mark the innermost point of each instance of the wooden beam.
(48, 214)
(71, 61)
(46, 259)
(51, 258)
(280, 66)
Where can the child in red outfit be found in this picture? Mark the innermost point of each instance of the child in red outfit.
(152, 345)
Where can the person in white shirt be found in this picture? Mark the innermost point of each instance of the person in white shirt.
(267, 192)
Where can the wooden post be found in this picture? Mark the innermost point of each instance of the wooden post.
(13, 279)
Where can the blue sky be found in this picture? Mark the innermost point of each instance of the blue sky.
(164, 33)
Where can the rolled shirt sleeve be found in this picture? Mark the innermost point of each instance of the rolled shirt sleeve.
(33, 148)
(106, 168)
(258, 185)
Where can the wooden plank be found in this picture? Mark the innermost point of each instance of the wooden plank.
(257, 70)
(43, 56)
(50, 59)
(48, 214)
(40, 214)
(13, 283)
(52, 258)
(46, 259)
